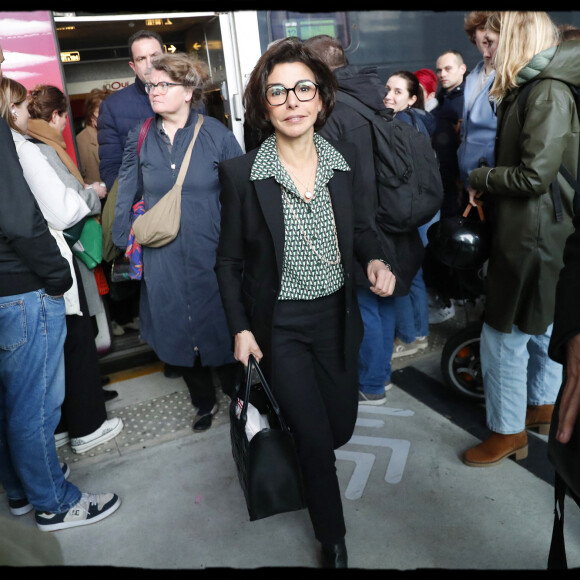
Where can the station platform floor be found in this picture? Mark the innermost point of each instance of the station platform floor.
(410, 504)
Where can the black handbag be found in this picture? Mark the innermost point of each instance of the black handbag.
(121, 269)
(267, 465)
(565, 457)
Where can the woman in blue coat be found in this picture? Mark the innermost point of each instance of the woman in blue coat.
(181, 314)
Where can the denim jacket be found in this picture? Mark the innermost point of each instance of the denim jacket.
(478, 127)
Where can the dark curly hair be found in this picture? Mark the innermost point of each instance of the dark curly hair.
(286, 50)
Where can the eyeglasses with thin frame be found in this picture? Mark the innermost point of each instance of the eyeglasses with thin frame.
(162, 87)
(277, 95)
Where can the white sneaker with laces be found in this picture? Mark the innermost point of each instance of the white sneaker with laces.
(89, 509)
(109, 429)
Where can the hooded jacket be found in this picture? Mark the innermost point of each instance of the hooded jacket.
(527, 241)
(404, 251)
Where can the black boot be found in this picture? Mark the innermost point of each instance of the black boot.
(334, 555)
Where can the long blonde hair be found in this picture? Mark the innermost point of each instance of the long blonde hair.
(522, 35)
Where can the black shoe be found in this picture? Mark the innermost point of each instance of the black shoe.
(203, 422)
(171, 372)
(334, 555)
(109, 395)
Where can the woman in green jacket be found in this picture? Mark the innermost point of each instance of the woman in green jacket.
(537, 133)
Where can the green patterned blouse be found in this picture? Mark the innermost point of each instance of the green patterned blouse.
(312, 266)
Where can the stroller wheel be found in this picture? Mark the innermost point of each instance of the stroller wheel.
(461, 364)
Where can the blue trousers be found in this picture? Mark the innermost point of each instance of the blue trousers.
(412, 311)
(374, 358)
(32, 334)
(517, 372)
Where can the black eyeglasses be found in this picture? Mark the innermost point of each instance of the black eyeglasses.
(277, 95)
(161, 87)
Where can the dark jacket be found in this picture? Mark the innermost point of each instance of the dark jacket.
(567, 310)
(404, 251)
(118, 114)
(527, 241)
(251, 247)
(446, 136)
(29, 256)
(180, 311)
(346, 124)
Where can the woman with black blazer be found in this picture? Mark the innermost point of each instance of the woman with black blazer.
(293, 220)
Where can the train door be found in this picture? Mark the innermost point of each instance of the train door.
(95, 54)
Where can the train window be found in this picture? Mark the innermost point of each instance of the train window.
(307, 24)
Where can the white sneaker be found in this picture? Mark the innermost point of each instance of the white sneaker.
(61, 439)
(133, 325)
(89, 509)
(388, 386)
(438, 315)
(117, 329)
(109, 429)
(401, 348)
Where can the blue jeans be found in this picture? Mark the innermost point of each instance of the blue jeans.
(517, 372)
(374, 358)
(412, 318)
(32, 333)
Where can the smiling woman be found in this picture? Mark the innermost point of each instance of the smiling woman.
(289, 232)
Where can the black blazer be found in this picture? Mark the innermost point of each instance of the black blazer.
(251, 245)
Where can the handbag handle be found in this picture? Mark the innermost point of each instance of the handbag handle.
(187, 157)
(479, 210)
(253, 364)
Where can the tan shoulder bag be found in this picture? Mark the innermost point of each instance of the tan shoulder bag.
(160, 225)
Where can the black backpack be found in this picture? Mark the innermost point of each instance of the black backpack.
(407, 171)
(575, 183)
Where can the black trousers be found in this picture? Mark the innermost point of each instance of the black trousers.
(201, 386)
(318, 399)
(83, 410)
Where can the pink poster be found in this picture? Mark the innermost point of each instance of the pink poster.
(32, 55)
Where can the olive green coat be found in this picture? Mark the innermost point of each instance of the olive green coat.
(527, 241)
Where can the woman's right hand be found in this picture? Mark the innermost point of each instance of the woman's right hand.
(245, 344)
(570, 403)
(100, 188)
(473, 195)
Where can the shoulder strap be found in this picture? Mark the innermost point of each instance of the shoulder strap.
(143, 133)
(187, 157)
(557, 556)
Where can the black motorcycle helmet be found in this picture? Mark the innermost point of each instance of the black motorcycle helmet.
(460, 242)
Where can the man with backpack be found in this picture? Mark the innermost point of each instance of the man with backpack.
(360, 117)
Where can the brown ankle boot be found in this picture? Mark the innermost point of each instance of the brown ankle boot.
(539, 417)
(496, 448)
